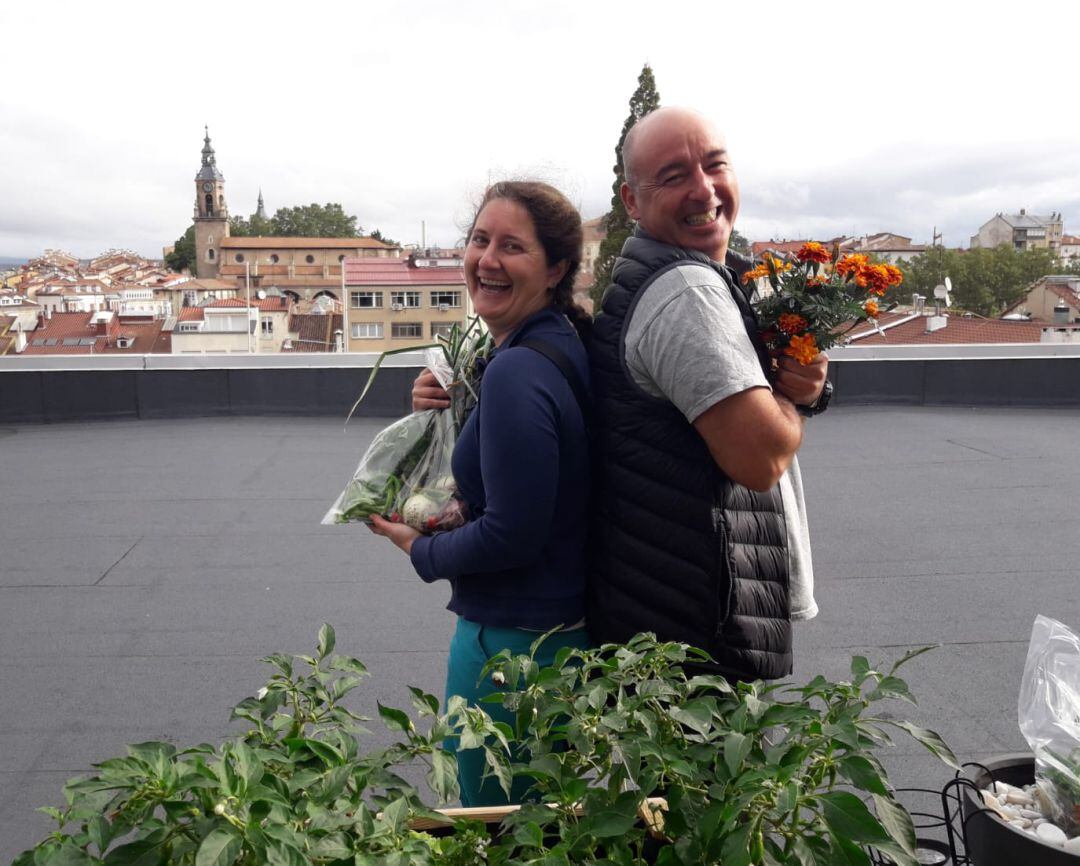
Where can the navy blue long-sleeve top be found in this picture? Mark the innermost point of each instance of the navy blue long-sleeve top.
(521, 464)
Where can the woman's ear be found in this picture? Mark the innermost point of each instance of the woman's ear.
(556, 273)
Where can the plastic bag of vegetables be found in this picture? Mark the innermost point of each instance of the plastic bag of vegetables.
(405, 474)
(384, 469)
(1049, 711)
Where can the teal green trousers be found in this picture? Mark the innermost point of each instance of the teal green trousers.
(470, 649)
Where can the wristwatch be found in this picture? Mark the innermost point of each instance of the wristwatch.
(820, 404)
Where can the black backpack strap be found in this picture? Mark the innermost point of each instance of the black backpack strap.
(566, 367)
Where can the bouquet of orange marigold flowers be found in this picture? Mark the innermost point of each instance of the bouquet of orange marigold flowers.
(816, 296)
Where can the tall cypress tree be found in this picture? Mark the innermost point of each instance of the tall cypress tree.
(617, 222)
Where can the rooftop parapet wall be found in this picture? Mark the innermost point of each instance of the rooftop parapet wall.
(45, 389)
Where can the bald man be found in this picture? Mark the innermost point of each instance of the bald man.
(700, 529)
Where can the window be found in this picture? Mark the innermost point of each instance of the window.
(210, 255)
(365, 300)
(267, 326)
(446, 299)
(441, 329)
(188, 327)
(309, 259)
(274, 258)
(367, 330)
(405, 300)
(406, 330)
(239, 258)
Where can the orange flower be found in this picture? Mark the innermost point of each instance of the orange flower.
(876, 278)
(802, 348)
(754, 273)
(896, 276)
(872, 308)
(851, 264)
(792, 323)
(815, 282)
(777, 265)
(812, 251)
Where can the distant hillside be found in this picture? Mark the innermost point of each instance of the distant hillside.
(8, 262)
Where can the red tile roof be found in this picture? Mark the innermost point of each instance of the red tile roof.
(190, 314)
(267, 305)
(1068, 295)
(261, 243)
(959, 328)
(395, 272)
(314, 333)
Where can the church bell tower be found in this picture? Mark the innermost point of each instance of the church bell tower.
(211, 213)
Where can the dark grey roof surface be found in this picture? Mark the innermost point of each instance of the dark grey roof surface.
(146, 566)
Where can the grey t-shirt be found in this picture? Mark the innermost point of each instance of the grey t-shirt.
(686, 343)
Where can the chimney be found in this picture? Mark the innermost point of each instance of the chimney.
(20, 341)
(1061, 313)
(339, 341)
(936, 323)
(1022, 211)
(41, 319)
(917, 303)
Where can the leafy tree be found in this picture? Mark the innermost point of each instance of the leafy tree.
(617, 222)
(379, 236)
(739, 243)
(183, 255)
(985, 281)
(314, 221)
(247, 227)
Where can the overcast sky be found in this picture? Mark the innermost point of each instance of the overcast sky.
(841, 118)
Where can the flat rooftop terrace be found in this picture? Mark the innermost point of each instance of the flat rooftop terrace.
(146, 566)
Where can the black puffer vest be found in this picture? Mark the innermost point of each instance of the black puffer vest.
(676, 547)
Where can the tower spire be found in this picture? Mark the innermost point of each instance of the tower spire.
(260, 211)
(209, 169)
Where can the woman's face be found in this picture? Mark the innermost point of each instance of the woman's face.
(506, 270)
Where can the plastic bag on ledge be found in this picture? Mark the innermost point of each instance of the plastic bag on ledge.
(1049, 714)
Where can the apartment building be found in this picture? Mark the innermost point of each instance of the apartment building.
(394, 303)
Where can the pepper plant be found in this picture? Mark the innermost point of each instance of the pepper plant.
(750, 773)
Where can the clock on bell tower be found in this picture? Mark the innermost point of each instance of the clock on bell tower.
(211, 213)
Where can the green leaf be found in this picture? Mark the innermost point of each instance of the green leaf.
(849, 818)
(910, 654)
(736, 748)
(327, 640)
(892, 687)
(281, 661)
(896, 821)
(424, 703)
(324, 751)
(280, 854)
(220, 848)
(696, 715)
(156, 755)
(443, 775)
(736, 848)
(860, 667)
(395, 719)
(335, 847)
(862, 774)
(930, 739)
(143, 852)
(67, 854)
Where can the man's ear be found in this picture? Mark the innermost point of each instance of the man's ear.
(629, 200)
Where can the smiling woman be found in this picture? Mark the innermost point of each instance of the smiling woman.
(521, 463)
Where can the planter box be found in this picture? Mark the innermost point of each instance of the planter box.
(988, 840)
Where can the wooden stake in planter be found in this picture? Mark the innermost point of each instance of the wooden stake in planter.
(651, 811)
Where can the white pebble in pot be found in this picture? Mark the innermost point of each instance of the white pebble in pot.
(1051, 833)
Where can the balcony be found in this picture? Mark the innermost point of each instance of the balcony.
(148, 563)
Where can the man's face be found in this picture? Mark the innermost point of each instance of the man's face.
(685, 192)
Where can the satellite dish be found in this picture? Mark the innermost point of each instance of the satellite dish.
(941, 292)
(948, 284)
